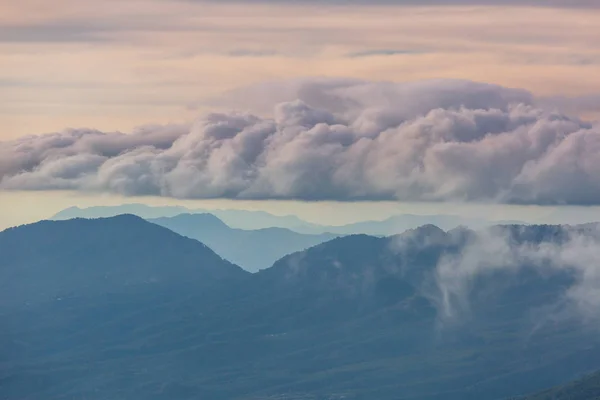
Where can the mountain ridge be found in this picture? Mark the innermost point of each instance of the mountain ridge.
(242, 219)
(106, 241)
(245, 219)
(252, 249)
(358, 316)
(584, 388)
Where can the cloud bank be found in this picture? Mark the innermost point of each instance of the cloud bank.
(335, 139)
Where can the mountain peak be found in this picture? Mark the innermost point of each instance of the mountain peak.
(425, 233)
(103, 255)
(195, 218)
(351, 254)
(254, 249)
(427, 229)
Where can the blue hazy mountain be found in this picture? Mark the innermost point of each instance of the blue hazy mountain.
(80, 257)
(357, 317)
(249, 220)
(78, 296)
(241, 219)
(251, 249)
(400, 223)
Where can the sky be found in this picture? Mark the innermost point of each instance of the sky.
(424, 106)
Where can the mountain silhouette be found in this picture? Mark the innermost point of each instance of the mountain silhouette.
(56, 259)
(400, 223)
(251, 249)
(241, 219)
(251, 220)
(357, 317)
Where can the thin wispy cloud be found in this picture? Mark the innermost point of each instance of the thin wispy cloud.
(566, 260)
(252, 53)
(132, 49)
(382, 52)
(527, 3)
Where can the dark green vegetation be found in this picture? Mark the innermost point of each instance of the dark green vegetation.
(251, 249)
(119, 308)
(586, 388)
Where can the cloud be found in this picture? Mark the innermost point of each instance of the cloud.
(561, 261)
(175, 53)
(578, 104)
(63, 31)
(382, 52)
(252, 53)
(540, 3)
(347, 140)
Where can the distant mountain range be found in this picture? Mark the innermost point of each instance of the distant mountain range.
(121, 308)
(250, 220)
(241, 219)
(400, 223)
(251, 249)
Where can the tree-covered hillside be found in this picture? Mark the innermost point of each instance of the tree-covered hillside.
(586, 388)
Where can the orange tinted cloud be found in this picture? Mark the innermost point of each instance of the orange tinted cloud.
(75, 63)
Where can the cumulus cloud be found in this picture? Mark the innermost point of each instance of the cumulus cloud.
(440, 140)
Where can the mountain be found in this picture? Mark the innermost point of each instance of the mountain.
(424, 315)
(401, 223)
(57, 259)
(141, 210)
(252, 220)
(78, 297)
(245, 219)
(251, 249)
(242, 219)
(586, 388)
(378, 310)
